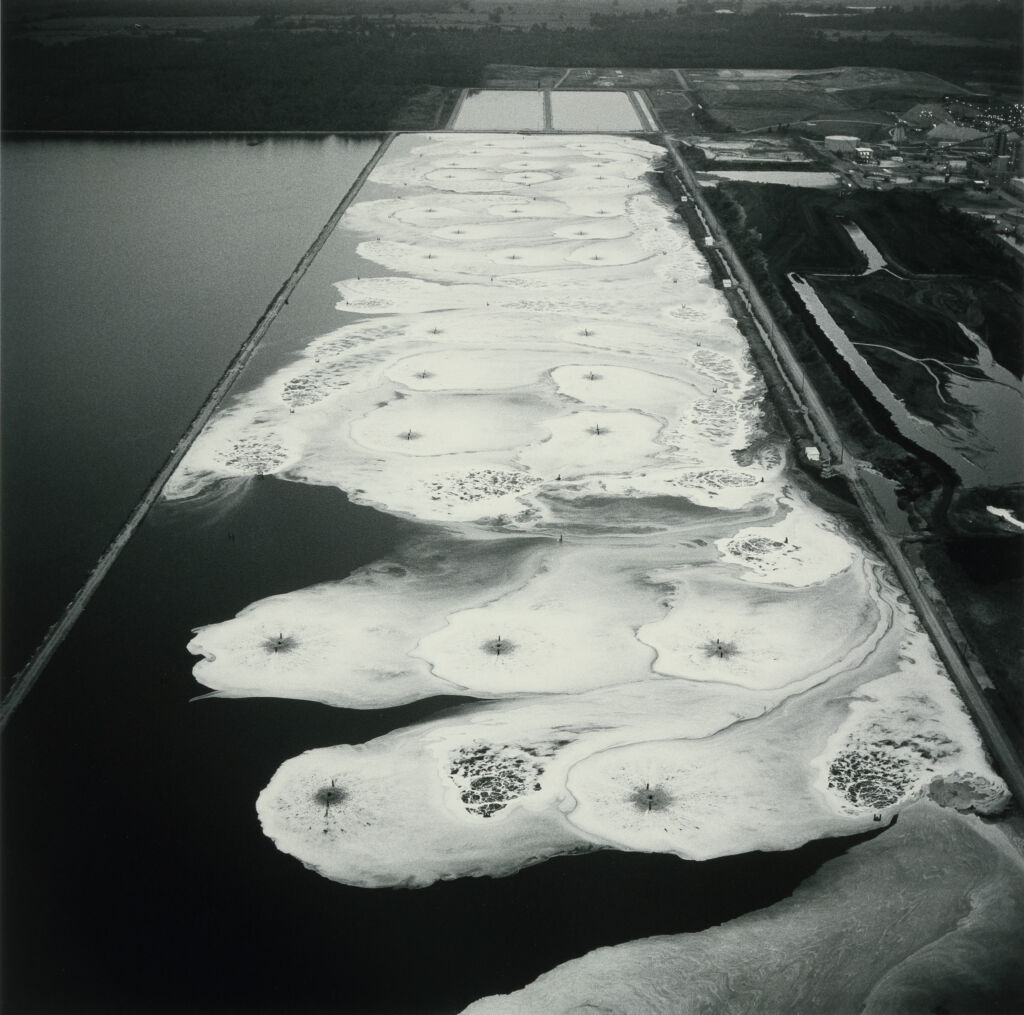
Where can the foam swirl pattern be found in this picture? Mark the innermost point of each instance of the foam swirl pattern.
(681, 652)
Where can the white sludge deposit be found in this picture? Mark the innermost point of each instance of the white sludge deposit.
(699, 769)
(683, 653)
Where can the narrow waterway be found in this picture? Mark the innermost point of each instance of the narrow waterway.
(977, 407)
(950, 446)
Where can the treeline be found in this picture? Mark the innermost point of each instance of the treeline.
(140, 11)
(357, 77)
(241, 80)
(973, 21)
(769, 38)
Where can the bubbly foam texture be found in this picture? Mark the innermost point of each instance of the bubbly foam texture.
(484, 792)
(573, 316)
(905, 732)
(684, 653)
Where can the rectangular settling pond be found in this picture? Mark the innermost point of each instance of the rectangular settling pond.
(501, 110)
(594, 111)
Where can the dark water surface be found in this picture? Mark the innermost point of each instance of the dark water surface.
(136, 877)
(132, 271)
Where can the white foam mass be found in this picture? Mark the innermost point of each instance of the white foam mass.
(722, 630)
(481, 793)
(568, 289)
(908, 733)
(698, 769)
(801, 547)
(685, 653)
(570, 627)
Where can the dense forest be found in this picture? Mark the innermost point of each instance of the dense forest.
(356, 74)
(974, 21)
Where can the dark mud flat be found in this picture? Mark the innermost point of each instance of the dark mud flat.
(137, 877)
(919, 318)
(801, 230)
(959, 275)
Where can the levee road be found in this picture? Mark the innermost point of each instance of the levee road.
(30, 673)
(965, 671)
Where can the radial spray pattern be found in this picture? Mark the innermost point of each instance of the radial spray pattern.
(684, 653)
